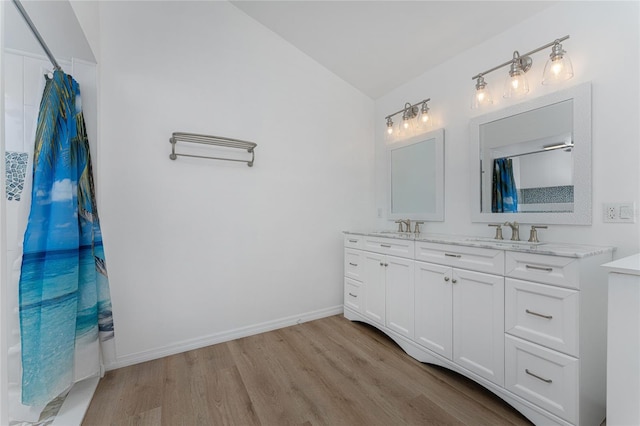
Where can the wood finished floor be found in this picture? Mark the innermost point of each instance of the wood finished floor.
(326, 372)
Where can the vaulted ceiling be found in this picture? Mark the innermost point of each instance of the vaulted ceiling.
(378, 45)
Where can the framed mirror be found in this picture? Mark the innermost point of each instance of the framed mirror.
(416, 178)
(532, 162)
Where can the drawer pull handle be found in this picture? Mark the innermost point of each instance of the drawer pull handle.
(353, 241)
(385, 245)
(353, 264)
(539, 268)
(453, 255)
(538, 315)
(538, 377)
(353, 295)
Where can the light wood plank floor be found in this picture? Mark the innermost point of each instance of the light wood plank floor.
(325, 372)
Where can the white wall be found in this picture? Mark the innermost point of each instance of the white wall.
(604, 47)
(199, 251)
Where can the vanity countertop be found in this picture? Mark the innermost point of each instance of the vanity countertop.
(550, 248)
(627, 265)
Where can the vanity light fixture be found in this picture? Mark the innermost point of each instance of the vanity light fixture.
(414, 117)
(557, 69)
(482, 95)
(389, 125)
(516, 83)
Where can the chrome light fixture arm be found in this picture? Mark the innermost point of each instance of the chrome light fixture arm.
(418, 111)
(522, 57)
(409, 109)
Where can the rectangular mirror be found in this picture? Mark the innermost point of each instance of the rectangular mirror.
(532, 162)
(416, 178)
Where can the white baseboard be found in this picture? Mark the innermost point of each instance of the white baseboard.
(225, 336)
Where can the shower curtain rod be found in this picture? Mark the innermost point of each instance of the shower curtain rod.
(35, 32)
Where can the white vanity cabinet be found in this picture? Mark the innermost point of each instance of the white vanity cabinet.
(526, 322)
(460, 312)
(555, 324)
(623, 341)
(385, 286)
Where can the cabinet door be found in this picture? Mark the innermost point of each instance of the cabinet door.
(399, 291)
(433, 313)
(373, 283)
(478, 323)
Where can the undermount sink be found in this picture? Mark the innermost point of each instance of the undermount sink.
(503, 242)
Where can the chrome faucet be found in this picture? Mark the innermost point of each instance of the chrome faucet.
(515, 230)
(498, 235)
(406, 222)
(533, 235)
(416, 229)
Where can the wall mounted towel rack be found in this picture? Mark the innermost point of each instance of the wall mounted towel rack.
(211, 140)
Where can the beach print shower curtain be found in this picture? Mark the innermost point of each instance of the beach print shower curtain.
(65, 306)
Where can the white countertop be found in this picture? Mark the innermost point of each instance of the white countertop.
(627, 265)
(550, 248)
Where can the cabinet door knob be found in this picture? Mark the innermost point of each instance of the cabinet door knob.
(454, 281)
(446, 279)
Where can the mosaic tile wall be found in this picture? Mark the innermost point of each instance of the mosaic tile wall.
(551, 194)
(16, 167)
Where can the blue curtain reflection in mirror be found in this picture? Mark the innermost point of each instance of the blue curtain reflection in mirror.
(504, 193)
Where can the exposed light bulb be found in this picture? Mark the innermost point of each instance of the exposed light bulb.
(389, 126)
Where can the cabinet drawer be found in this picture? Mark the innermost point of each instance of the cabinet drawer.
(353, 241)
(392, 246)
(544, 377)
(352, 295)
(473, 258)
(353, 264)
(556, 270)
(543, 314)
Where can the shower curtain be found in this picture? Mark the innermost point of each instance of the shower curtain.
(504, 194)
(65, 305)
